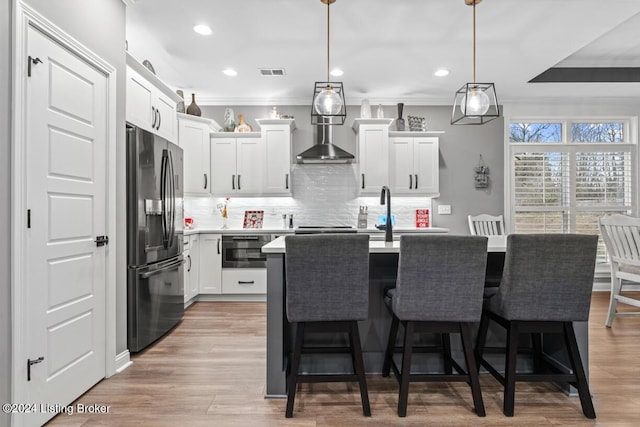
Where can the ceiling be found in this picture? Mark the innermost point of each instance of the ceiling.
(388, 50)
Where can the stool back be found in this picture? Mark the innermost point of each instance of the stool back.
(440, 278)
(327, 277)
(547, 277)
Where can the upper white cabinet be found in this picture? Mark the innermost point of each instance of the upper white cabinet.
(151, 104)
(253, 163)
(193, 137)
(372, 137)
(414, 165)
(277, 136)
(237, 163)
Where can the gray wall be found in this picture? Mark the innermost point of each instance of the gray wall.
(99, 25)
(5, 206)
(460, 149)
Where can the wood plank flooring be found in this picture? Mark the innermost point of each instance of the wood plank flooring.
(209, 371)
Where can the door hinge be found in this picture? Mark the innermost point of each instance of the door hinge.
(31, 362)
(28, 218)
(102, 240)
(34, 61)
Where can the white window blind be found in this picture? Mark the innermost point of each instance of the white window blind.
(564, 186)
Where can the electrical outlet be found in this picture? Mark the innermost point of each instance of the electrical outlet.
(444, 209)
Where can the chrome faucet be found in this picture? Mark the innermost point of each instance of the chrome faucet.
(388, 229)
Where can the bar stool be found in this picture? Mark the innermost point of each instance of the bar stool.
(546, 286)
(439, 290)
(327, 290)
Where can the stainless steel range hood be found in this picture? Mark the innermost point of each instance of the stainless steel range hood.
(324, 151)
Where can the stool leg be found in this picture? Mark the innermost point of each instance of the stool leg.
(358, 365)
(391, 344)
(406, 369)
(536, 343)
(578, 369)
(295, 367)
(481, 340)
(472, 371)
(446, 348)
(510, 369)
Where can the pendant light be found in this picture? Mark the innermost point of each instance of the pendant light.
(475, 103)
(328, 106)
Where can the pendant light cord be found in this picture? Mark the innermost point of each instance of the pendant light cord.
(474, 41)
(328, 44)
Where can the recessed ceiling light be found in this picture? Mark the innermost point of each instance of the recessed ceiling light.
(230, 72)
(336, 72)
(441, 72)
(203, 30)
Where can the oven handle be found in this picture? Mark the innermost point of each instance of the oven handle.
(245, 238)
(162, 269)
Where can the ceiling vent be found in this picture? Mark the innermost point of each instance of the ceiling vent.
(272, 71)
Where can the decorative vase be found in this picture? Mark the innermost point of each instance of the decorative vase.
(229, 120)
(180, 105)
(274, 113)
(380, 112)
(193, 108)
(243, 126)
(365, 109)
(400, 120)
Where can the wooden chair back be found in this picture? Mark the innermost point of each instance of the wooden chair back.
(486, 225)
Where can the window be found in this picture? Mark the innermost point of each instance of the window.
(565, 174)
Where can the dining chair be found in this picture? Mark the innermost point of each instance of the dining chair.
(546, 286)
(327, 291)
(486, 225)
(438, 290)
(621, 235)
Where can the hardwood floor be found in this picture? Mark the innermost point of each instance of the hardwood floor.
(210, 371)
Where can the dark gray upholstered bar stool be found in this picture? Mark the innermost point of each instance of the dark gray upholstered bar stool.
(327, 290)
(439, 290)
(546, 285)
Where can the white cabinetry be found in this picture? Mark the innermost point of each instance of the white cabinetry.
(244, 281)
(194, 138)
(151, 104)
(210, 263)
(414, 165)
(192, 266)
(372, 136)
(276, 137)
(237, 163)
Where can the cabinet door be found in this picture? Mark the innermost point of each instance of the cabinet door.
(426, 167)
(373, 145)
(194, 140)
(277, 144)
(140, 94)
(250, 165)
(194, 274)
(210, 263)
(401, 165)
(166, 117)
(223, 166)
(186, 253)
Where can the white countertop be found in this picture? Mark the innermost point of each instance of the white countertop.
(370, 230)
(277, 246)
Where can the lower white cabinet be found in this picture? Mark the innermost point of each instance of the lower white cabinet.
(210, 263)
(191, 255)
(244, 281)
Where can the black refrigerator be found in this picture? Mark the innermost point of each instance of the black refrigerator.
(155, 226)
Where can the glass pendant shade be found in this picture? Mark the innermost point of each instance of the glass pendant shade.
(475, 104)
(328, 102)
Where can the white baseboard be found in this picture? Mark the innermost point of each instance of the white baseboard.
(232, 298)
(123, 361)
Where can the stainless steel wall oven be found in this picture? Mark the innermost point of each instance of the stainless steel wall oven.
(244, 251)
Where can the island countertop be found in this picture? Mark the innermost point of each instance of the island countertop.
(277, 246)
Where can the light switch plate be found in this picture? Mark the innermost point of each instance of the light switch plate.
(444, 209)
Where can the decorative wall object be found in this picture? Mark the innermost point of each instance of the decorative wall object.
(481, 174)
(193, 108)
(180, 106)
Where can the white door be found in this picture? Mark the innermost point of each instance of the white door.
(194, 140)
(426, 168)
(250, 162)
(374, 158)
(277, 143)
(223, 166)
(66, 125)
(401, 165)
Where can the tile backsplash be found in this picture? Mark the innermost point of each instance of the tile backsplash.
(322, 194)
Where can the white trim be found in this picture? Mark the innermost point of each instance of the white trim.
(229, 298)
(23, 17)
(122, 361)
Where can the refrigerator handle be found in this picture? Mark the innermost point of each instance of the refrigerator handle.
(162, 269)
(163, 197)
(172, 195)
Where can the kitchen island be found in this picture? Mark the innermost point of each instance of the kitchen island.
(373, 331)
